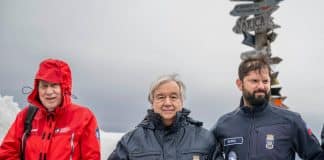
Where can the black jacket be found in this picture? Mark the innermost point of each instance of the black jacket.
(322, 137)
(265, 133)
(150, 140)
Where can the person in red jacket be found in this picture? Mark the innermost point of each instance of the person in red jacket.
(61, 130)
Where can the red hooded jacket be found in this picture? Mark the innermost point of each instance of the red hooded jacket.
(70, 132)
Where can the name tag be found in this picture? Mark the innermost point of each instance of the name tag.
(233, 141)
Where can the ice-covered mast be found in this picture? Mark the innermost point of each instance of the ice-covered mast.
(256, 25)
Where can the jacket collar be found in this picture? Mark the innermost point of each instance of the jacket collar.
(154, 120)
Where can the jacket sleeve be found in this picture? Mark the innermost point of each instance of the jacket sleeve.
(90, 140)
(321, 156)
(322, 137)
(120, 152)
(10, 147)
(218, 153)
(304, 141)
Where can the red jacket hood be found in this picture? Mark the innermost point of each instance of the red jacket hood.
(55, 71)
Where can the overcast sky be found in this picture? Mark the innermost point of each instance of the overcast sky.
(116, 48)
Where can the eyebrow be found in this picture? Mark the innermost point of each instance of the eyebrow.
(161, 94)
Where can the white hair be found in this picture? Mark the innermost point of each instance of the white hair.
(163, 79)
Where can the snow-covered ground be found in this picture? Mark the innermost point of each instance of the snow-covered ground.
(9, 109)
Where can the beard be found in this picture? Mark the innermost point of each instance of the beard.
(255, 100)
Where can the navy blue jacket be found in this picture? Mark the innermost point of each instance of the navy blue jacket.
(265, 133)
(322, 137)
(151, 140)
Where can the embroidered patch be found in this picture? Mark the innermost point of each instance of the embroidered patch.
(98, 133)
(232, 155)
(195, 157)
(233, 141)
(309, 131)
(269, 141)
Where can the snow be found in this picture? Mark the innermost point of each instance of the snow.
(9, 110)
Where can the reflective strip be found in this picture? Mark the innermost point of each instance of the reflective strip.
(72, 145)
(23, 145)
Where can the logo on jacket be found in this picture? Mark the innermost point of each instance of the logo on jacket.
(34, 130)
(269, 141)
(195, 157)
(232, 155)
(62, 130)
(233, 141)
(309, 131)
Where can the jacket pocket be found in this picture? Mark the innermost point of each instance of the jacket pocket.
(150, 155)
(193, 154)
(273, 141)
(67, 143)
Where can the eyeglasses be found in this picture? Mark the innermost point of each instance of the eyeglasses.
(163, 98)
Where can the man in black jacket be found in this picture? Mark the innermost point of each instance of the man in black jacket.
(166, 133)
(257, 130)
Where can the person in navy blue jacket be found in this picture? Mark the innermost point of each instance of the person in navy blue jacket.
(257, 130)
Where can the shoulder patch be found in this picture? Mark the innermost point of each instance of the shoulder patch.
(309, 130)
(98, 133)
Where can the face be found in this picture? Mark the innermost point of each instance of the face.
(167, 101)
(255, 87)
(50, 94)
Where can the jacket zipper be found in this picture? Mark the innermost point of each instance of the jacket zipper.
(250, 153)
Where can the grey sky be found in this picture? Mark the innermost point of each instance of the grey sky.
(116, 48)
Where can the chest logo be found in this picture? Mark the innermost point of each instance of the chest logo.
(62, 130)
(233, 141)
(269, 141)
(34, 130)
(232, 155)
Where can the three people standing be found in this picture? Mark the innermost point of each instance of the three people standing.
(256, 130)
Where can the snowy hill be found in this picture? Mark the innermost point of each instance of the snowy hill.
(9, 109)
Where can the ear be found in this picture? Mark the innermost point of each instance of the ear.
(239, 84)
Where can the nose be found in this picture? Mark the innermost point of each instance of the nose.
(261, 85)
(49, 90)
(167, 100)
